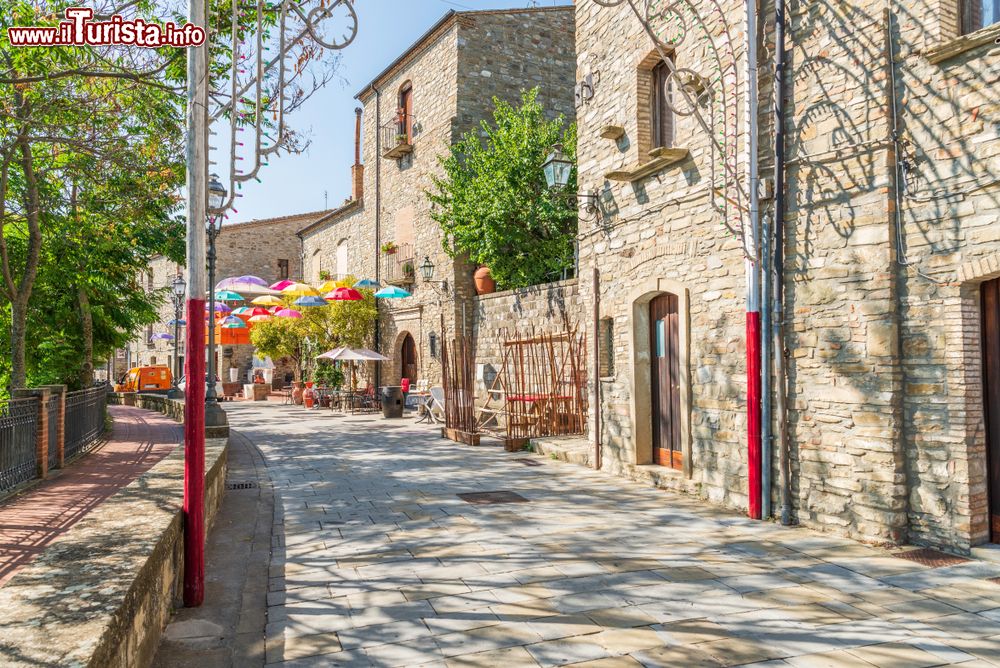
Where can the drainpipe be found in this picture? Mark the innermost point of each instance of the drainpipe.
(378, 222)
(752, 266)
(596, 401)
(778, 324)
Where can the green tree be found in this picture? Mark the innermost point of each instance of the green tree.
(493, 203)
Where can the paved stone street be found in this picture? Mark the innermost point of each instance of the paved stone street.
(378, 562)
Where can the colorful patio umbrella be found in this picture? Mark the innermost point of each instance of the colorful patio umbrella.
(220, 308)
(288, 313)
(281, 285)
(267, 300)
(328, 286)
(228, 296)
(300, 290)
(250, 311)
(392, 292)
(353, 355)
(162, 337)
(179, 323)
(261, 318)
(235, 325)
(231, 320)
(225, 283)
(367, 284)
(343, 295)
(310, 301)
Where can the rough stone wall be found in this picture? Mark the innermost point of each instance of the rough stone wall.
(543, 308)
(656, 235)
(885, 396)
(500, 54)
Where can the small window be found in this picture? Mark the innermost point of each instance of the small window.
(606, 347)
(282, 269)
(661, 116)
(152, 360)
(978, 14)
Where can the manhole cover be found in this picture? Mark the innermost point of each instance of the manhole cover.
(528, 462)
(932, 558)
(488, 498)
(247, 484)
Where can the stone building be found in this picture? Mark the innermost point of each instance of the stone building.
(892, 256)
(438, 89)
(268, 248)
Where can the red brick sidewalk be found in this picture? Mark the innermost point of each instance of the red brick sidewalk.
(34, 519)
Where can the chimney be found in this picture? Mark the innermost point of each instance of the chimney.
(357, 169)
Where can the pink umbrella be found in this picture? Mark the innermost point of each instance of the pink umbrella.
(281, 285)
(288, 313)
(260, 318)
(343, 295)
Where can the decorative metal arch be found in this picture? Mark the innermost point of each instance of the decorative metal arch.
(711, 100)
(258, 85)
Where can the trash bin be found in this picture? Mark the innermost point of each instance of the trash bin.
(392, 402)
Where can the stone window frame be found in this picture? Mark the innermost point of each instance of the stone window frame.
(644, 103)
(639, 361)
(283, 269)
(947, 39)
(606, 347)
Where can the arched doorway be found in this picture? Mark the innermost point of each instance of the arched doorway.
(408, 359)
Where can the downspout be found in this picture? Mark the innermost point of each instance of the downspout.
(778, 324)
(378, 223)
(752, 266)
(596, 401)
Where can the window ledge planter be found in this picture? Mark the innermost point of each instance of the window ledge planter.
(659, 159)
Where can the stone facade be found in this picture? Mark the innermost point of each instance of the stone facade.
(268, 248)
(882, 330)
(454, 71)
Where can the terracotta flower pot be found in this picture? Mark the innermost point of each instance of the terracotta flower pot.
(297, 393)
(308, 396)
(484, 281)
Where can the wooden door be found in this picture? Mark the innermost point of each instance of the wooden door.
(408, 355)
(664, 338)
(406, 112)
(991, 398)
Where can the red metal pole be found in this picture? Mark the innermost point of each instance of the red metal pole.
(753, 415)
(194, 456)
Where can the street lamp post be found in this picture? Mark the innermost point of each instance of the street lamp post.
(214, 415)
(178, 287)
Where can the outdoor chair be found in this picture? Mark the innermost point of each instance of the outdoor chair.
(435, 407)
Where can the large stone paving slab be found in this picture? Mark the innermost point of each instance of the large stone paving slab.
(378, 562)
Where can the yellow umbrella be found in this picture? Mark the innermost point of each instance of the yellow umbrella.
(328, 286)
(300, 290)
(268, 300)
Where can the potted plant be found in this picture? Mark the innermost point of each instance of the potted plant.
(401, 139)
(484, 281)
(389, 248)
(324, 275)
(408, 270)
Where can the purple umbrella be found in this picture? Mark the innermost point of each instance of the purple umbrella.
(162, 337)
(221, 308)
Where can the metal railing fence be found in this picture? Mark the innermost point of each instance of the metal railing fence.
(85, 410)
(18, 435)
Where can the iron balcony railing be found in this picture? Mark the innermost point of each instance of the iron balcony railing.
(399, 266)
(397, 136)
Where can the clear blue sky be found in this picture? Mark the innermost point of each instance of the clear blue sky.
(295, 184)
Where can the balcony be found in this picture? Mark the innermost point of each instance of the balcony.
(399, 267)
(397, 136)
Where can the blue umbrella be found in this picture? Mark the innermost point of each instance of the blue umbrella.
(231, 320)
(392, 292)
(367, 284)
(180, 323)
(310, 301)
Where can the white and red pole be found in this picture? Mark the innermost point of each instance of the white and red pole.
(194, 357)
(753, 276)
